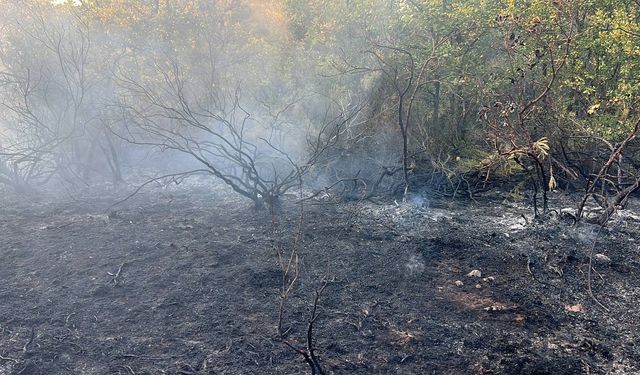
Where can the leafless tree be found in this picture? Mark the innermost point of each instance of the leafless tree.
(212, 126)
(611, 191)
(49, 99)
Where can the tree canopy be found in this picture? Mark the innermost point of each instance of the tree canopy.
(447, 92)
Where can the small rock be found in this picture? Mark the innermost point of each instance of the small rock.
(478, 286)
(458, 283)
(500, 307)
(602, 258)
(490, 278)
(574, 308)
(474, 273)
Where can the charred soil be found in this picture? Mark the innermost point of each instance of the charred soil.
(186, 281)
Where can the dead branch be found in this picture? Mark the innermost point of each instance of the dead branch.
(308, 353)
(617, 200)
(326, 189)
(220, 135)
(621, 196)
(290, 268)
(180, 175)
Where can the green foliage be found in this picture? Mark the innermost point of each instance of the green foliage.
(603, 87)
(505, 79)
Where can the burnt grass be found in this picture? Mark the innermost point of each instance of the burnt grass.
(186, 280)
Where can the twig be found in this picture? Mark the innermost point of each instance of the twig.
(290, 268)
(147, 358)
(155, 179)
(615, 153)
(309, 353)
(129, 369)
(8, 359)
(312, 320)
(187, 369)
(535, 278)
(327, 188)
(33, 335)
(302, 353)
(64, 225)
(116, 275)
(589, 289)
(66, 321)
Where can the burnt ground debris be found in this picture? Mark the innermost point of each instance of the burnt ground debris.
(185, 281)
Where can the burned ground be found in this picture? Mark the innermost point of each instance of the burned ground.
(185, 281)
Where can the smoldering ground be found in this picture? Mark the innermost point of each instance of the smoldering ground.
(185, 279)
(197, 187)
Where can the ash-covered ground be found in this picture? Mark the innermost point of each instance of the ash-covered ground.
(186, 280)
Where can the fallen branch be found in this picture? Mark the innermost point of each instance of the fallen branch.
(174, 176)
(327, 188)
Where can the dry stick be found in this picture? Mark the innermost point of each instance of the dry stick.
(605, 167)
(117, 274)
(287, 286)
(64, 225)
(33, 335)
(305, 355)
(309, 354)
(327, 188)
(143, 358)
(156, 179)
(8, 359)
(128, 368)
(66, 321)
(314, 316)
(274, 227)
(589, 289)
(289, 280)
(618, 200)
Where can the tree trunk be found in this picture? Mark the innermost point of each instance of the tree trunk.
(436, 105)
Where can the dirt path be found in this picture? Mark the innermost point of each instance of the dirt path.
(186, 282)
